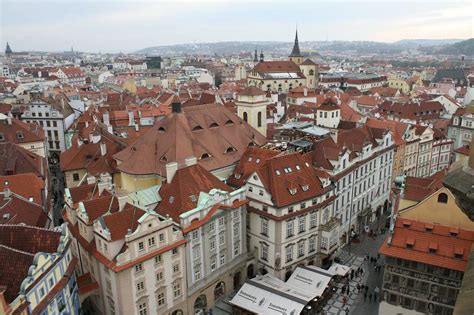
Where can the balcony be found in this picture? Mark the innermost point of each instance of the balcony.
(331, 225)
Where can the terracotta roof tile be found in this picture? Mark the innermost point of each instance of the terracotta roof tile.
(119, 223)
(98, 207)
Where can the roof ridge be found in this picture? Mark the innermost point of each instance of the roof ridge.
(16, 250)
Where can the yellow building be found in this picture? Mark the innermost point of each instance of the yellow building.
(398, 83)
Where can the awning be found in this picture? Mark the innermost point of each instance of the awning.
(263, 301)
(339, 269)
(310, 280)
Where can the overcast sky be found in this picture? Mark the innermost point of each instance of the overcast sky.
(126, 25)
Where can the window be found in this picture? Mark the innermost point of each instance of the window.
(312, 244)
(161, 237)
(212, 243)
(194, 235)
(221, 238)
(212, 226)
(221, 221)
(159, 276)
(301, 224)
(289, 228)
(443, 198)
(138, 267)
(197, 274)
(264, 252)
(213, 264)
(245, 117)
(196, 252)
(140, 286)
(175, 268)
(160, 298)
(75, 177)
(222, 259)
(301, 249)
(142, 308)
(151, 241)
(264, 226)
(250, 189)
(259, 119)
(158, 259)
(177, 290)
(175, 251)
(236, 248)
(289, 253)
(141, 246)
(312, 219)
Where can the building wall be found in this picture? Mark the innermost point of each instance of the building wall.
(69, 176)
(132, 183)
(37, 147)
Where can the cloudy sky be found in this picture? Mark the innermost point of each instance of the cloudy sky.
(127, 25)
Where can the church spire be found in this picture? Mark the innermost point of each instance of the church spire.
(296, 47)
(8, 50)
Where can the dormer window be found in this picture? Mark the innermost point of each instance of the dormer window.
(298, 167)
(230, 150)
(305, 187)
(213, 125)
(161, 129)
(292, 191)
(171, 199)
(229, 122)
(277, 172)
(237, 176)
(19, 135)
(163, 158)
(2, 136)
(257, 161)
(197, 128)
(205, 156)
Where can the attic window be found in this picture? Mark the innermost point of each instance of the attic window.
(171, 199)
(410, 242)
(193, 198)
(31, 199)
(454, 231)
(257, 160)
(433, 247)
(88, 157)
(305, 187)
(163, 158)
(443, 198)
(237, 176)
(292, 191)
(19, 135)
(205, 156)
(251, 144)
(230, 150)
(213, 125)
(458, 252)
(298, 167)
(306, 163)
(197, 128)
(6, 183)
(2, 136)
(406, 224)
(429, 227)
(161, 129)
(278, 172)
(229, 122)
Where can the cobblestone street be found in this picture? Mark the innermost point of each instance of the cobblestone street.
(355, 257)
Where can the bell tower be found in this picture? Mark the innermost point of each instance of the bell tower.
(295, 55)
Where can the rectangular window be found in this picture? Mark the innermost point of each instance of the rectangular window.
(195, 235)
(140, 286)
(289, 228)
(221, 238)
(197, 274)
(213, 264)
(142, 308)
(212, 243)
(264, 226)
(312, 219)
(264, 252)
(177, 290)
(301, 224)
(221, 221)
(175, 268)
(160, 298)
(151, 241)
(158, 259)
(159, 276)
(196, 252)
(312, 244)
(301, 249)
(138, 267)
(289, 253)
(141, 246)
(162, 237)
(175, 251)
(75, 177)
(222, 259)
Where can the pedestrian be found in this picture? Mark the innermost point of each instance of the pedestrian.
(343, 289)
(370, 297)
(375, 296)
(366, 288)
(380, 267)
(358, 287)
(352, 273)
(365, 296)
(344, 300)
(347, 311)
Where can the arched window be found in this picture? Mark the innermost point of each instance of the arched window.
(443, 198)
(200, 303)
(311, 72)
(259, 119)
(219, 291)
(230, 150)
(205, 156)
(245, 117)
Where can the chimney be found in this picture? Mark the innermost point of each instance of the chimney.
(171, 169)
(79, 141)
(6, 193)
(94, 137)
(131, 119)
(106, 118)
(103, 149)
(190, 161)
(305, 91)
(122, 201)
(9, 118)
(333, 135)
(137, 127)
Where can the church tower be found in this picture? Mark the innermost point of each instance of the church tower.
(252, 108)
(8, 51)
(295, 55)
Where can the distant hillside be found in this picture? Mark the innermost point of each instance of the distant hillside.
(466, 47)
(415, 43)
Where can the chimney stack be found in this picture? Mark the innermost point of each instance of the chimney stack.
(305, 91)
(106, 118)
(190, 161)
(131, 118)
(9, 118)
(171, 169)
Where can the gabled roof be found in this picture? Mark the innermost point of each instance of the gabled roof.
(289, 179)
(439, 237)
(278, 67)
(26, 185)
(417, 188)
(16, 131)
(251, 91)
(98, 207)
(16, 160)
(182, 193)
(213, 134)
(15, 209)
(252, 160)
(398, 128)
(119, 223)
(412, 110)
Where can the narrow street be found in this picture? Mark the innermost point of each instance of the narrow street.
(57, 191)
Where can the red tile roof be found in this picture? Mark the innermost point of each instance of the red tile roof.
(414, 232)
(283, 174)
(252, 160)
(182, 193)
(119, 223)
(26, 185)
(398, 128)
(251, 91)
(213, 134)
(20, 132)
(16, 160)
(425, 110)
(417, 188)
(14, 267)
(17, 210)
(464, 150)
(29, 239)
(98, 207)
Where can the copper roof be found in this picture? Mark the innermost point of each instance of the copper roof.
(214, 135)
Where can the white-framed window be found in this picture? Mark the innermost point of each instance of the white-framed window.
(196, 252)
(160, 299)
(151, 242)
(141, 246)
(221, 221)
(161, 237)
(236, 248)
(212, 243)
(140, 286)
(175, 268)
(313, 219)
(139, 267)
(290, 229)
(194, 235)
(301, 248)
(213, 264)
(159, 276)
(289, 253)
(324, 242)
(222, 259)
(264, 226)
(221, 238)
(301, 224)
(158, 259)
(212, 226)
(197, 274)
(312, 244)
(264, 252)
(177, 289)
(142, 309)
